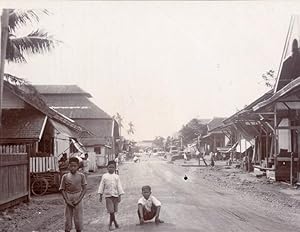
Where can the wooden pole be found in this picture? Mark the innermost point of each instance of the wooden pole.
(275, 138)
(267, 149)
(4, 36)
(292, 163)
(198, 148)
(298, 155)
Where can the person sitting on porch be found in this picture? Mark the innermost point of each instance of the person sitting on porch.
(63, 164)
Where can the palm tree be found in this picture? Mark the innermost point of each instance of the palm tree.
(13, 47)
(131, 128)
(119, 119)
(36, 42)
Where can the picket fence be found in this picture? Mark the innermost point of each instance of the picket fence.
(43, 164)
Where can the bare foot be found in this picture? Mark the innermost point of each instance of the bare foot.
(157, 221)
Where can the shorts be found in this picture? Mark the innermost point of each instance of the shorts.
(75, 213)
(112, 204)
(148, 215)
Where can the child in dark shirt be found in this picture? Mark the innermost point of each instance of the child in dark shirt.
(73, 188)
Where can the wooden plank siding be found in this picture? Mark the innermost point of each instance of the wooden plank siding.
(14, 172)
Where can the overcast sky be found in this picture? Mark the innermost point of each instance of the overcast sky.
(160, 64)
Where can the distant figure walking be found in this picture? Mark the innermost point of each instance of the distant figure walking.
(85, 164)
(110, 186)
(212, 159)
(184, 157)
(117, 164)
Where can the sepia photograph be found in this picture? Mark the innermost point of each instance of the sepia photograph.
(149, 116)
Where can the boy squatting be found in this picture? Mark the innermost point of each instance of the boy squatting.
(148, 206)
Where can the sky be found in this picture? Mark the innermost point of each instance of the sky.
(160, 64)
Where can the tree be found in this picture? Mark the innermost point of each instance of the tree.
(269, 78)
(159, 142)
(130, 131)
(192, 130)
(36, 42)
(14, 47)
(119, 119)
(167, 143)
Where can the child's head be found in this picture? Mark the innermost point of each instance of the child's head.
(86, 155)
(146, 191)
(111, 166)
(73, 164)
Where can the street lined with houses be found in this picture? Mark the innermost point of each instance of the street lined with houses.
(218, 154)
(204, 201)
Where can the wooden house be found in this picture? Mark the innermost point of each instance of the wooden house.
(32, 138)
(246, 130)
(282, 113)
(272, 121)
(74, 103)
(215, 139)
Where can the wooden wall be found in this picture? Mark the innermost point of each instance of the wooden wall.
(14, 173)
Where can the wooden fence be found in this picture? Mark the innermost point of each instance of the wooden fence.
(14, 173)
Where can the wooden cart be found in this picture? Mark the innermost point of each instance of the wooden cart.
(44, 175)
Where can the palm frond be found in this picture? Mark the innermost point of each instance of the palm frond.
(13, 54)
(36, 42)
(19, 18)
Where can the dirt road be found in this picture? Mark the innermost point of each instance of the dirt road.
(188, 205)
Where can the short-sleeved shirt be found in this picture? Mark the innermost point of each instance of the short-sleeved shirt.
(148, 203)
(72, 183)
(110, 185)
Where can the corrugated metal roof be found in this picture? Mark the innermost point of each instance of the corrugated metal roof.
(61, 89)
(75, 106)
(99, 127)
(280, 93)
(251, 106)
(215, 123)
(91, 142)
(29, 94)
(22, 124)
(203, 121)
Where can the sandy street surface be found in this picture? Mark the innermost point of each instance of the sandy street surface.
(211, 199)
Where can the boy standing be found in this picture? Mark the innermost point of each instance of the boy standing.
(85, 164)
(73, 188)
(110, 186)
(148, 206)
(117, 164)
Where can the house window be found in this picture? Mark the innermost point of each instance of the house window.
(97, 150)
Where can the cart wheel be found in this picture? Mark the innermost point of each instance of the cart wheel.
(39, 187)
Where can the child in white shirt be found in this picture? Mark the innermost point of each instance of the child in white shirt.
(148, 206)
(110, 186)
